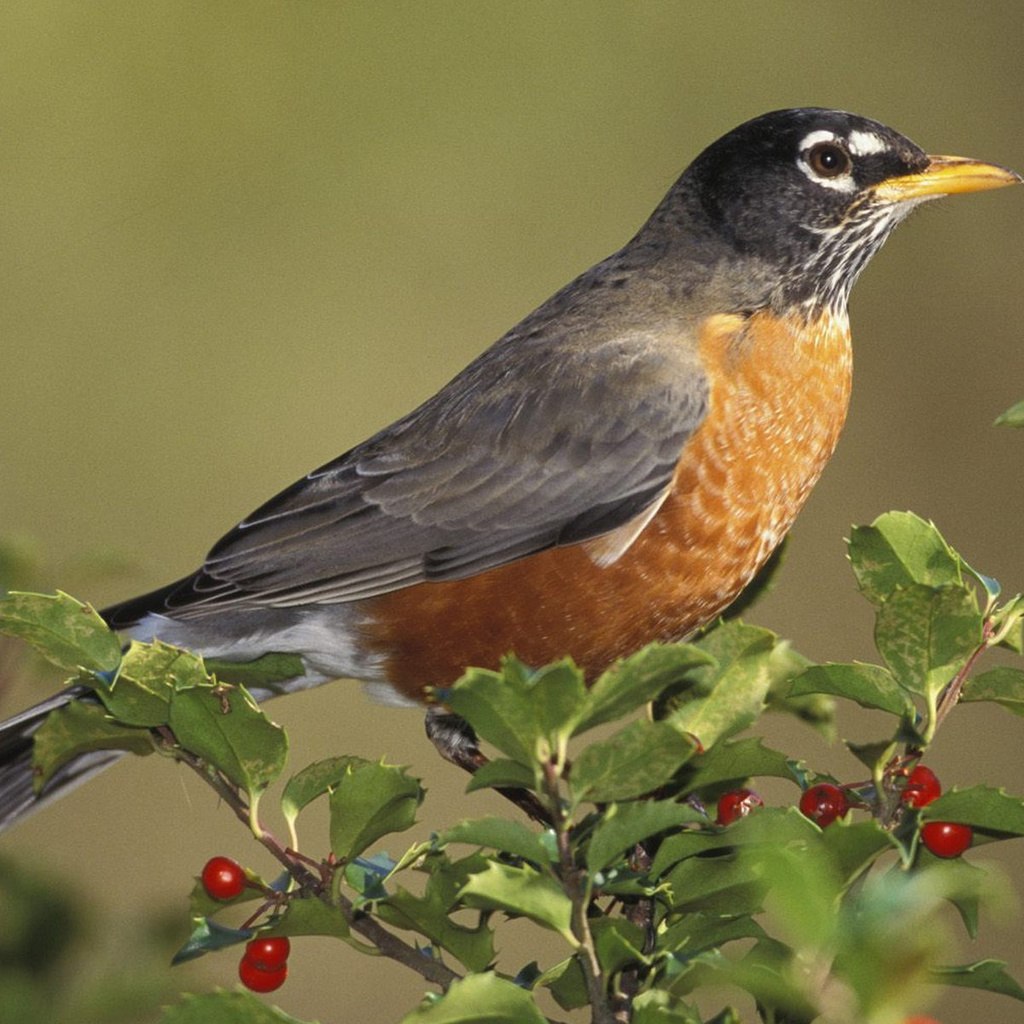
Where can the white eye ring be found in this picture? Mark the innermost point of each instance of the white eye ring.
(825, 159)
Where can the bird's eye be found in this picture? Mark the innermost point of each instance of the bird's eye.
(828, 160)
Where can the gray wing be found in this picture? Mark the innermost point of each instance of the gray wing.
(535, 444)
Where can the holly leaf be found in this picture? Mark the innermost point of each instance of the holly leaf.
(981, 807)
(66, 632)
(80, 727)
(659, 1007)
(854, 846)
(870, 686)
(501, 773)
(557, 698)
(637, 680)
(622, 826)
(140, 693)
(989, 975)
(522, 891)
(899, 550)
(504, 835)
(634, 761)
(925, 634)
(225, 727)
(497, 706)
(371, 800)
(225, 1008)
(737, 698)
(262, 676)
(313, 781)
(478, 999)
(1012, 417)
(1002, 685)
(307, 915)
(428, 914)
(736, 761)
(207, 936)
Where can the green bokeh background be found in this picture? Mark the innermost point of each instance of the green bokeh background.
(238, 237)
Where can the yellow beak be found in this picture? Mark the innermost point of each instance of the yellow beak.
(944, 176)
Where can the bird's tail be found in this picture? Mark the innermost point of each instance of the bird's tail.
(18, 797)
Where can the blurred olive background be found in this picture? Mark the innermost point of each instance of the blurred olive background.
(238, 237)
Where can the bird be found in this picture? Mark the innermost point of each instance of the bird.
(613, 471)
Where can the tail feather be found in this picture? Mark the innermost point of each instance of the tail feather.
(18, 797)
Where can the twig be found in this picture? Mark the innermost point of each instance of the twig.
(386, 943)
(601, 1012)
(951, 694)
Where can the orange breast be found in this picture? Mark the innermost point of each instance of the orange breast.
(779, 390)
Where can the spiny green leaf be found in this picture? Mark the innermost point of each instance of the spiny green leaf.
(855, 845)
(78, 728)
(263, 675)
(497, 706)
(925, 634)
(989, 975)
(656, 1006)
(1012, 417)
(637, 680)
(871, 686)
(694, 933)
(981, 807)
(370, 801)
(502, 773)
(523, 891)
(557, 697)
(1001, 685)
(504, 835)
(618, 942)
(428, 914)
(899, 549)
(478, 999)
(632, 762)
(768, 825)
(64, 631)
(729, 641)
(873, 755)
(158, 666)
(141, 691)
(208, 936)
(735, 761)
(736, 700)
(622, 826)
(225, 727)
(225, 1008)
(313, 781)
(307, 915)
(566, 983)
(727, 885)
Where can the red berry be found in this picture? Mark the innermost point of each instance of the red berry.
(823, 803)
(922, 787)
(735, 804)
(258, 980)
(946, 838)
(222, 878)
(267, 953)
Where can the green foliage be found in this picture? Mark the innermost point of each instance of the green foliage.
(1013, 417)
(652, 899)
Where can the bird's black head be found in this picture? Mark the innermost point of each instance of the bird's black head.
(801, 199)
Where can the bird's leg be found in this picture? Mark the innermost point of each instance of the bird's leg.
(456, 742)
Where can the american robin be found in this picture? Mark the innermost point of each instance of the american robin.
(612, 471)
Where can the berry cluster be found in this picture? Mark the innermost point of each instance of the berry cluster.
(824, 802)
(264, 965)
